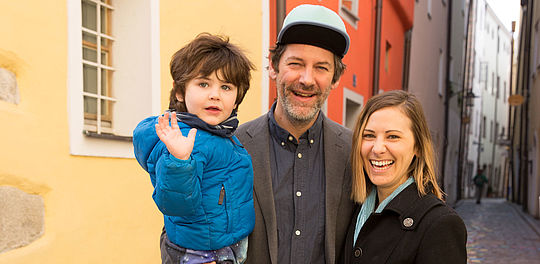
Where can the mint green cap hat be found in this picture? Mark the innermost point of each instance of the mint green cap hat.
(315, 25)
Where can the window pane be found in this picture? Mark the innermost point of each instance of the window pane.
(104, 78)
(90, 39)
(105, 107)
(89, 54)
(90, 105)
(105, 43)
(90, 79)
(104, 19)
(89, 15)
(105, 58)
(348, 4)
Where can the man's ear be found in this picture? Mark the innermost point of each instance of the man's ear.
(271, 72)
(336, 84)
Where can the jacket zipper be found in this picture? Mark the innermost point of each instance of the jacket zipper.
(221, 195)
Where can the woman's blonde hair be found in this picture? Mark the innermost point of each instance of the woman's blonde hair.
(422, 167)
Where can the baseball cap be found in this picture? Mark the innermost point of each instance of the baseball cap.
(315, 25)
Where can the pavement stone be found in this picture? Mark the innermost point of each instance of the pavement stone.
(499, 232)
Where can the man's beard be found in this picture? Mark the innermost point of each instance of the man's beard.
(298, 112)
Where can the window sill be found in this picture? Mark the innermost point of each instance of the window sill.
(107, 136)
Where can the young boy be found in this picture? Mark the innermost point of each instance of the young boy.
(202, 176)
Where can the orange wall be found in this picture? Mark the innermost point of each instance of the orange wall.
(396, 21)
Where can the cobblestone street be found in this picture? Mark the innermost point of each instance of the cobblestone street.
(499, 232)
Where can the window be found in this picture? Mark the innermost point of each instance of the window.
(352, 102)
(387, 56)
(491, 131)
(97, 69)
(348, 9)
(429, 9)
(483, 128)
(105, 101)
(441, 72)
(498, 87)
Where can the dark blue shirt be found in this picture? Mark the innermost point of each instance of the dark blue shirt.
(298, 185)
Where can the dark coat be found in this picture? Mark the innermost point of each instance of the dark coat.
(263, 242)
(411, 229)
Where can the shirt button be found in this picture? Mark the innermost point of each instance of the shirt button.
(298, 193)
(290, 138)
(357, 252)
(299, 155)
(283, 143)
(311, 141)
(297, 232)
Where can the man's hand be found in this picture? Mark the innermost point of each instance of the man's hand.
(179, 146)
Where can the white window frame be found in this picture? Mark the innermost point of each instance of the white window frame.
(351, 16)
(137, 98)
(354, 97)
(98, 128)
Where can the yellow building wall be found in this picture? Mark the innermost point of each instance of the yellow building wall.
(97, 210)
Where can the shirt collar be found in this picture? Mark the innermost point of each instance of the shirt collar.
(312, 134)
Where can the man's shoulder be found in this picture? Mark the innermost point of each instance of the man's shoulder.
(252, 127)
(338, 129)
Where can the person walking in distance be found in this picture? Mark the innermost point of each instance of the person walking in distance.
(479, 181)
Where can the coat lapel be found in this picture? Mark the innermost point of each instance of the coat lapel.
(334, 165)
(262, 182)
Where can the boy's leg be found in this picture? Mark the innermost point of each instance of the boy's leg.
(234, 254)
(172, 253)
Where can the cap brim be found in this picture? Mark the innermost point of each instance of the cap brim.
(315, 35)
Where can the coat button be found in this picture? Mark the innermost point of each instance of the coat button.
(357, 252)
(408, 222)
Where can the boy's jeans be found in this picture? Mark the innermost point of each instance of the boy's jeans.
(172, 253)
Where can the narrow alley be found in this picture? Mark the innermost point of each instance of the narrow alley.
(499, 232)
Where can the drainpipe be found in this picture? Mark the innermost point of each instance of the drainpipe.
(377, 47)
(524, 155)
(462, 153)
(525, 112)
(447, 96)
(509, 137)
(281, 11)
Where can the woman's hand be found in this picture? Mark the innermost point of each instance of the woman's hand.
(178, 145)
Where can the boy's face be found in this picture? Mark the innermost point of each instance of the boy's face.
(211, 99)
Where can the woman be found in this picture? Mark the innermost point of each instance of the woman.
(402, 218)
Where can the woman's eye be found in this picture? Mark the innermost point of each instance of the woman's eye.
(393, 137)
(368, 136)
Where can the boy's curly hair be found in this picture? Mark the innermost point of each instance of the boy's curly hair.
(204, 55)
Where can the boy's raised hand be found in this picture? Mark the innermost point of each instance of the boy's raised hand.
(178, 145)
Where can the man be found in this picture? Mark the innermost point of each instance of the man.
(479, 180)
(300, 157)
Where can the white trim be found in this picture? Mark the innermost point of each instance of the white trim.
(352, 96)
(155, 57)
(124, 119)
(265, 79)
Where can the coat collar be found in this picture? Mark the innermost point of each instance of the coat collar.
(412, 207)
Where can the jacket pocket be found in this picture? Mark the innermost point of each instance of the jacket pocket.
(226, 202)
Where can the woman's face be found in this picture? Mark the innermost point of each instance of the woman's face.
(387, 149)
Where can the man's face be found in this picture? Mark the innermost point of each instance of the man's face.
(303, 81)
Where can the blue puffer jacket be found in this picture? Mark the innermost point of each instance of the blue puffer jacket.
(207, 200)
